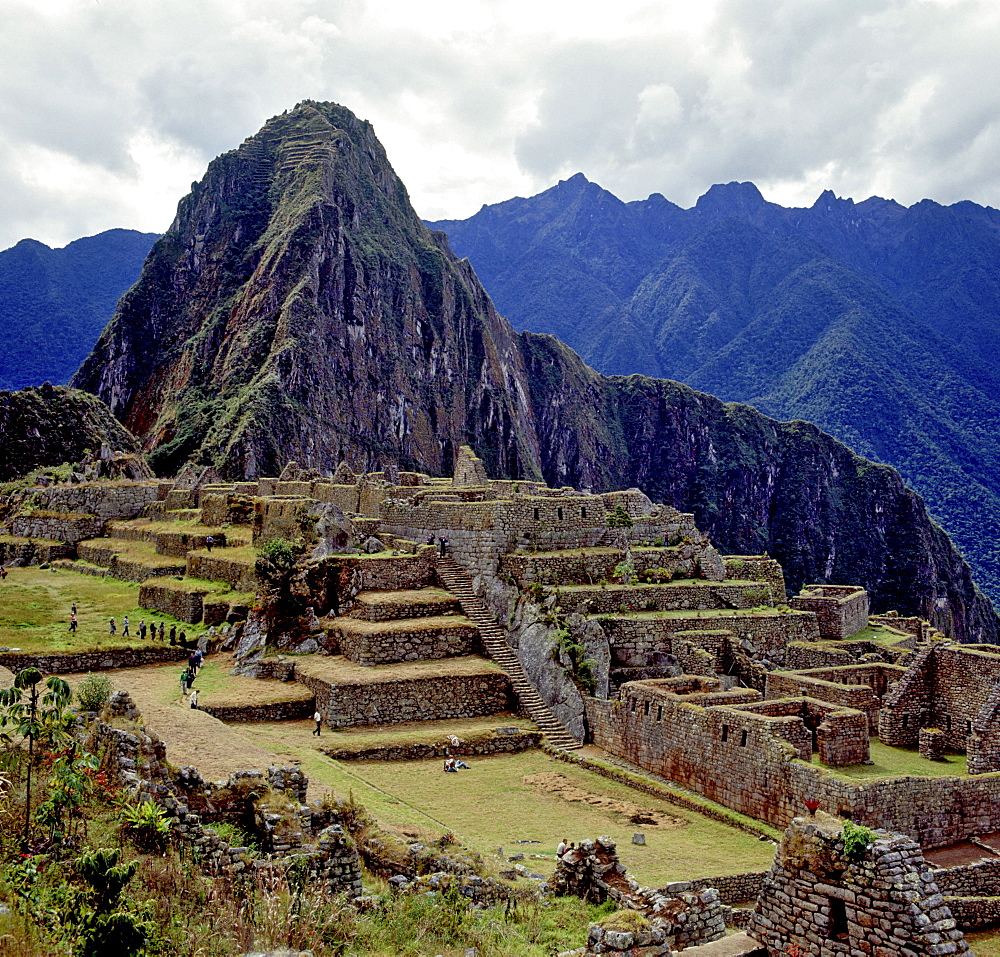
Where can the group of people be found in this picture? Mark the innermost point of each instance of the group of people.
(442, 544)
(564, 846)
(188, 675)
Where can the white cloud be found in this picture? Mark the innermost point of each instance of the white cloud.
(108, 109)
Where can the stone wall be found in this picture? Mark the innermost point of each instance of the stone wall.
(952, 688)
(103, 660)
(855, 686)
(238, 575)
(416, 640)
(635, 640)
(71, 527)
(172, 598)
(22, 552)
(842, 610)
(824, 901)
(104, 500)
(275, 711)
(427, 699)
(500, 741)
(758, 568)
(103, 552)
(763, 779)
(597, 600)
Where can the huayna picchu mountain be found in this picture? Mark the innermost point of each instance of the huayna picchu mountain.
(297, 308)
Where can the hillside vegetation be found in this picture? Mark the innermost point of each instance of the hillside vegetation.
(874, 321)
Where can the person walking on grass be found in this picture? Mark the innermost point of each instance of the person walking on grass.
(142, 630)
(111, 627)
(185, 676)
(72, 608)
(194, 699)
(72, 622)
(125, 633)
(161, 630)
(173, 634)
(209, 542)
(318, 718)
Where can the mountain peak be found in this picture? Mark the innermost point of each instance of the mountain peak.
(727, 199)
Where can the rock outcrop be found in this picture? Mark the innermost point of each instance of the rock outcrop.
(298, 309)
(52, 425)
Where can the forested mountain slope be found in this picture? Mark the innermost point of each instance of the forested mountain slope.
(55, 302)
(877, 322)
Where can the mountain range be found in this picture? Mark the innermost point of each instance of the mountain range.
(55, 302)
(875, 321)
(297, 308)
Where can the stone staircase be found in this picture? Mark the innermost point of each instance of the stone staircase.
(495, 642)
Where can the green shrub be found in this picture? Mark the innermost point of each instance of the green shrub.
(145, 824)
(94, 692)
(857, 839)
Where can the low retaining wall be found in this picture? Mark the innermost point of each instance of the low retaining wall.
(708, 595)
(492, 743)
(92, 660)
(734, 888)
(425, 699)
(169, 599)
(277, 711)
(33, 553)
(240, 576)
(974, 913)
(389, 644)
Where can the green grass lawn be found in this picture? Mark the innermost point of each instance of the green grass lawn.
(893, 762)
(985, 943)
(492, 806)
(35, 608)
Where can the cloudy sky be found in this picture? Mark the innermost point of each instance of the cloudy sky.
(110, 108)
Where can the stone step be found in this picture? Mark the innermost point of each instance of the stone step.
(405, 603)
(494, 640)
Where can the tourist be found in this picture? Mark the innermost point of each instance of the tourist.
(125, 633)
(209, 542)
(443, 542)
(161, 631)
(72, 622)
(182, 639)
(449, 765)
(318, 718)
(430, 540)
(111, 627)
(194, 698)
(198, 659)
(3, 572)
(562, 848)
(173, 634)
(142, 630)
(185, 677)
(72, 608)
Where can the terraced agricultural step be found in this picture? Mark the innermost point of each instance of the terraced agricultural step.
(406, 639)
(495, 642)
(403, 603)
(129, 561)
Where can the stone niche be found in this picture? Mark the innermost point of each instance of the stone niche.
(820, 900)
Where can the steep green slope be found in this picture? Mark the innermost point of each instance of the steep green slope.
(877, 322)
(54, 302)
(298, 309)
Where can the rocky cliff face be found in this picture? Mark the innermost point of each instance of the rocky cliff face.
(47, 426)
(298, 309)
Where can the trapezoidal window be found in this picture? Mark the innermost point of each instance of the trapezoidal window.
(583, 513)
(743, 739)
(836, 929)
(559, 513)
(536, 514)
(725, 732)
